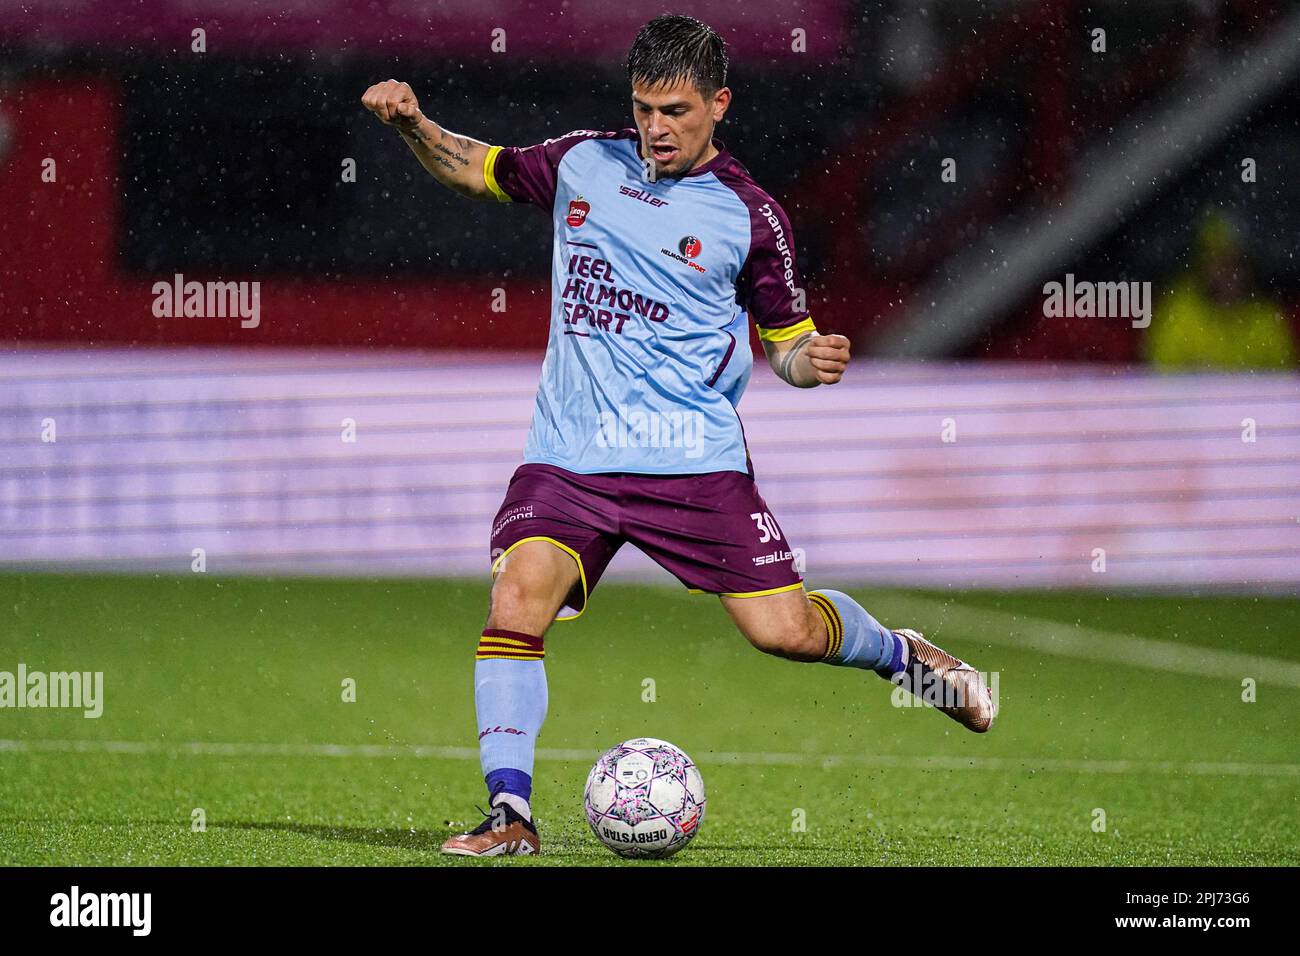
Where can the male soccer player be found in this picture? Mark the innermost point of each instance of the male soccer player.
(664, 250)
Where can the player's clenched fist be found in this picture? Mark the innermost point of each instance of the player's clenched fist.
(394, 103)
(829, 357)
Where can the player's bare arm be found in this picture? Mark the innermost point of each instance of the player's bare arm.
(810, 359)
(455, 161)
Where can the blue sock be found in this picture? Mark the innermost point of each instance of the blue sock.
(510, 700)
(508, 780)
(856, 639)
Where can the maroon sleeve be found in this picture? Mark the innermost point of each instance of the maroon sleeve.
(769, 286)
(528, 173)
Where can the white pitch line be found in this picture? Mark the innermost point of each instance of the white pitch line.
(825, 761)
(1087, 643)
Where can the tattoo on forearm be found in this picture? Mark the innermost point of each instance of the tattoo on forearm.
(458, 157)
(786, 370)
(431, 150)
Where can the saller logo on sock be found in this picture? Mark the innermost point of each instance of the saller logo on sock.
(502, 730)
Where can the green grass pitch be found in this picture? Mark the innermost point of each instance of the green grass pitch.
(804, 764)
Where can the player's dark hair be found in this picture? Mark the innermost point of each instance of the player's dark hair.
(671, 48)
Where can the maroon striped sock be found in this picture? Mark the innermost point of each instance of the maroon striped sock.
(499, 644)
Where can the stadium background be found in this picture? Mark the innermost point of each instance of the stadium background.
(378, 295)
(176, 434)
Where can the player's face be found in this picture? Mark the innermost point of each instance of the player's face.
(676, 124)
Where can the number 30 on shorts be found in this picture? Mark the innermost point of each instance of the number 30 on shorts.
(767, 528)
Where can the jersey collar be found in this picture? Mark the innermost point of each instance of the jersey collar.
(713, 164)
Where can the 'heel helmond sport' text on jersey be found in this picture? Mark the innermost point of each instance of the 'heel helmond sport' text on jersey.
(653, 285)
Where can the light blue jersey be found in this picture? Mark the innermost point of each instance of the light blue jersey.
(653, 285)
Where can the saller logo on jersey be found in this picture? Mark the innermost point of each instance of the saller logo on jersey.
(578, 210)
(642, 195)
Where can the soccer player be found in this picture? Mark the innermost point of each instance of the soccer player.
(664, 250)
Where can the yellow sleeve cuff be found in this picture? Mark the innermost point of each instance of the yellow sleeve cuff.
(788, 332)
(489, 174)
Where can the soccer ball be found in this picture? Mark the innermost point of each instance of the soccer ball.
(645, 798)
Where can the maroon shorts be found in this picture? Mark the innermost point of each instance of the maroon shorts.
(713, 532)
